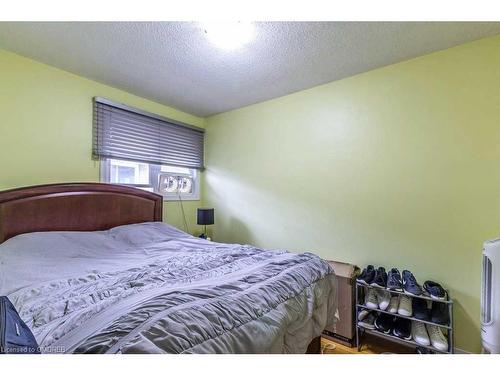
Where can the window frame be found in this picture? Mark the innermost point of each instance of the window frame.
(154, 173)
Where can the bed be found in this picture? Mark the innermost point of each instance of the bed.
(91, 268)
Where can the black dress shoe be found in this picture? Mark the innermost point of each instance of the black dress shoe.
(402, 328)
(380, 279)
(439, 313)
(367, 275)
(384, 323)
(420, 309)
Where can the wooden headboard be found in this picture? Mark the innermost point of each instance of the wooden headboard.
(75, 207)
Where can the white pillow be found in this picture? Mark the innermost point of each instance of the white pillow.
(146, 233)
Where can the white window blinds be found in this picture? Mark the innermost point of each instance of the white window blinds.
(121, 132)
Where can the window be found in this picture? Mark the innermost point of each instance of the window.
(128, 172)
(147, 151)
(171, 182)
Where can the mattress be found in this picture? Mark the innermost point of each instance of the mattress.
(150, 288)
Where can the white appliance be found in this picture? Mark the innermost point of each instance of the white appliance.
(490, 297)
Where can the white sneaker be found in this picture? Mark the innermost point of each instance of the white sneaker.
(419, 333)
(437, 338)
(383, 298)
(362, 314)
(393, 305)
(405, 306)
(371, 300)
(368, 321)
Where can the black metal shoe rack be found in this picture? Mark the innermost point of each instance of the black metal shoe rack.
(361, 290)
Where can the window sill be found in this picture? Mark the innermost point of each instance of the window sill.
(168, 199)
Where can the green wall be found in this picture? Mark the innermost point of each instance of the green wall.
(399, 166)
(46, 127)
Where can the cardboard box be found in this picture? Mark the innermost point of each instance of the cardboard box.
(344, 330)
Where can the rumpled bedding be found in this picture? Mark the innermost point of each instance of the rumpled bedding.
(150, 288)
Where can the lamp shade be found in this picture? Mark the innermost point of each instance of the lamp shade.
(205, 216)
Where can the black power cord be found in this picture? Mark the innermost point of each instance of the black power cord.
(179, 179)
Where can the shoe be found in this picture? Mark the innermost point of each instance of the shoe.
(419, 333)
(384, 323)
(371, 300)
(420, 309)
(380, 279)
(383, 298)
(437, 338)
(405, 306)
(394, 281)
(420, 350)
(368, 321)
(402, 328)
(435, 290)
(439, 313)
(362, 314)
(393, 305)
(367, 275)
(410, 285)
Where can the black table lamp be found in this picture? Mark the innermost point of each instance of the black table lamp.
(205, 217)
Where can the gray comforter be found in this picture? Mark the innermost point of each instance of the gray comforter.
(150, 288)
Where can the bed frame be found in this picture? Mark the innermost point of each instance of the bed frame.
(75, 207)
(80, 207)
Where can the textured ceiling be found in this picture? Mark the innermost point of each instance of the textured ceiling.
(173, 62)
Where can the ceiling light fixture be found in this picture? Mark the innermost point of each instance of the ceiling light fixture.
(229, 35)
